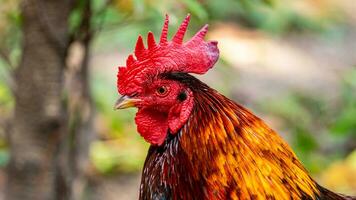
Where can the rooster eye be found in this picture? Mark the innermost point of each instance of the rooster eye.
(162, 90)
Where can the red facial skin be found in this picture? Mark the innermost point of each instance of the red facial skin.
(165, 106)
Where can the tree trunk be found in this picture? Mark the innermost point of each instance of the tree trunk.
(39, 119)
(81, 112)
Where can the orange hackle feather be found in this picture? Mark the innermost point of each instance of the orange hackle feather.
(245, 156)
(225, 152)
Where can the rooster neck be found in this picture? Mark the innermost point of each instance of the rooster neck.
(238, 155)
(224, 152)
(166, 173)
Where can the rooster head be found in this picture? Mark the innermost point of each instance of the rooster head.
(163, 105)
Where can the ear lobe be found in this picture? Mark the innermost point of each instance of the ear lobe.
(186, 107)
(179, 114)
(174, 123)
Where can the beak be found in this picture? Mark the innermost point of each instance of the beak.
(125, 102)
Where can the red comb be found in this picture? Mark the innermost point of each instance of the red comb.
(195, 56)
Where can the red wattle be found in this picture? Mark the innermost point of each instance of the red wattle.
(152, 125)
(174, 122)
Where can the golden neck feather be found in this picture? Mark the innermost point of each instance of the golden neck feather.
(239, 156)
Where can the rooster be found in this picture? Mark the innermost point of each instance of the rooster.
(203, 145)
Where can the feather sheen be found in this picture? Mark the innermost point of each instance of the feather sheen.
(244, 156)
(224, 152)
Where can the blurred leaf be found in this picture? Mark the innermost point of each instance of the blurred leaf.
(345, 123)
(112, 16)
(4, 157)
(4, 153)
(196, 8)
(10, 26)
(103, 158)
(125, 6)
(350, 78)
(98, 5)
(305, 146)
(105, 95)
(15, 17)
(351, 159)
(304, 141)
(339, 175)
(6, 98)
(289, 108)
(269, 2)
(119, 155)
(308, 118)
(229, 9)
(75, 19)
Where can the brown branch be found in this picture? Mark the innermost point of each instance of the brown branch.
(5, 57)
(82, 32)
(85, 30)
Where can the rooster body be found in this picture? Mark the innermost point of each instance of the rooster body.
(225, 152)
(203, 145)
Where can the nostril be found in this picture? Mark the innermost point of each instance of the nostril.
(133, 95)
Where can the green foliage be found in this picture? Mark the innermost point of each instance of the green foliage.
(4, 157)
(344, 123)
(304, 141)
(275, 16)
(196, 9)
(103, 158)
(123, 149)
(6, 98)
(105, 96)
(311, 121)
(111, 157)
(4, 154)
(10, 25)
(10, 50)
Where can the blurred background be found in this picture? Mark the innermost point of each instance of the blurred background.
(291, 62)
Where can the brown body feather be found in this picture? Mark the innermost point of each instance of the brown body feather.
(225, 152)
